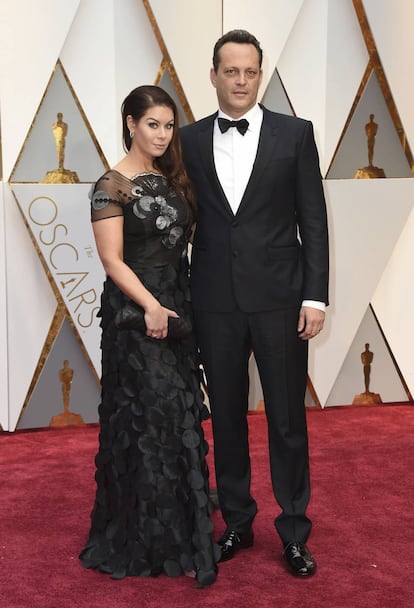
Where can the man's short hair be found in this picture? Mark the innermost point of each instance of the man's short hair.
(240, 37)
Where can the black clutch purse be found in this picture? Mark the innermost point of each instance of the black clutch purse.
(131, 316)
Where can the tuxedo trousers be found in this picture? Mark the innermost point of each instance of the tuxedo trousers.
(226, 341)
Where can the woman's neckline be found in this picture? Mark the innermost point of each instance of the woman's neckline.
(133, 177)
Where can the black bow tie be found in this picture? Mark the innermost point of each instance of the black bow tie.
(241, 125)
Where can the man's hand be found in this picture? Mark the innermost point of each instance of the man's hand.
(310, 322)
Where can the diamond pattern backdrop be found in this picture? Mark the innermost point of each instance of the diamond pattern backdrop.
(334, 63)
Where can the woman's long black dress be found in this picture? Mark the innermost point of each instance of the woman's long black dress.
(152, 508)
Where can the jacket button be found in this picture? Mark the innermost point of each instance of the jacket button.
(235, 253)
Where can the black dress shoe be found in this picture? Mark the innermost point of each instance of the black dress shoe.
(232, 541)
(299, 559)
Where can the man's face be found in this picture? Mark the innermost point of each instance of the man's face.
(237, 79)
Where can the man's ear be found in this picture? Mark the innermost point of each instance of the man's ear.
(213, 77)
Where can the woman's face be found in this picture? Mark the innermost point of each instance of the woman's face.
(152, 132)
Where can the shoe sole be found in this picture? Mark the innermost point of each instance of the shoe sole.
(226, 558)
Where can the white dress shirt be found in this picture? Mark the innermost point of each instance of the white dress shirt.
(234, 156)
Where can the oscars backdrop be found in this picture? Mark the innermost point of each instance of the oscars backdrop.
(64, 71)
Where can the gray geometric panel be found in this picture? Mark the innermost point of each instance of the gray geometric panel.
(167, 84)
(275, 97)
(384, 378)
(353, 151)
(309, 400)
(39, 153)
(47, 399)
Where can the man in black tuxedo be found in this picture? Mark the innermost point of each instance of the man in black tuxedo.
(259, 279)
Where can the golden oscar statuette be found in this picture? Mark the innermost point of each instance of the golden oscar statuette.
(60, 175)
(66, 418)
(367, 397)
(370, 172)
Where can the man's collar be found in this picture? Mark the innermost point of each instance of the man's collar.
(253, 115)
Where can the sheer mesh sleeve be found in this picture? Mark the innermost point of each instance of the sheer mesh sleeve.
(106, 199)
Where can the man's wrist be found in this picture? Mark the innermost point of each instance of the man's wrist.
(315, 304)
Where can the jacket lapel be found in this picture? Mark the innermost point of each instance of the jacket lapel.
(205, 141)
(265, 151)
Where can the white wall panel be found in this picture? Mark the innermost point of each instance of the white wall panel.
(302, 68)
(137, 54)
(347, 59)
(32, 36)
(393, 301)
(4, 396)
(271, 21)
(189, 29)
(30, 306)
(58, 216)
(107, 47)
(110, 49)
(392, 27)
(322, 67)
(366, 218)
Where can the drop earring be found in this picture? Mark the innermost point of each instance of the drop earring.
(131, 134)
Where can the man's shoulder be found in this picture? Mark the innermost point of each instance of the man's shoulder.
(198, 125)
(285, 119)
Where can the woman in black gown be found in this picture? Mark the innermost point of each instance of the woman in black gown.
(152, 510)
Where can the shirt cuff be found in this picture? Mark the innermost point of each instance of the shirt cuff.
(315, 304)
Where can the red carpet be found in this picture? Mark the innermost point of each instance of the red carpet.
(362, 463)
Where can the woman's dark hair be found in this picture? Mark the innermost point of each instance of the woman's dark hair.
(239, 36)
(171, 163)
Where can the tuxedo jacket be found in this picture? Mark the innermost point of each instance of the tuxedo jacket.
(273, 253)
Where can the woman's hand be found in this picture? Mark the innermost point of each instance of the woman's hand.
(156, 320)
(109, 240)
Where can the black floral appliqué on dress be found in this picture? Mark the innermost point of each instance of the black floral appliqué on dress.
(152, 510)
